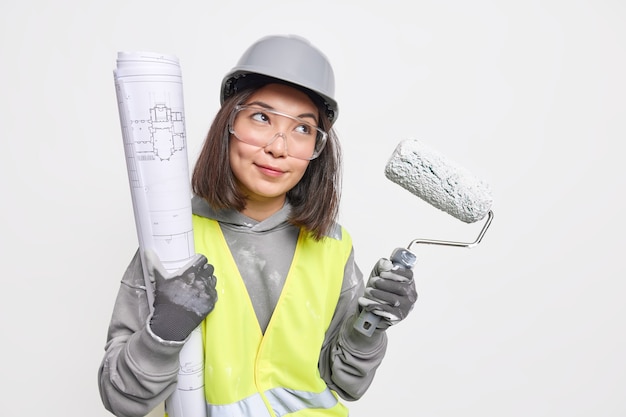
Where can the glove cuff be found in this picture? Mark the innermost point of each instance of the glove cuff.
(358, 342)
(153, 355)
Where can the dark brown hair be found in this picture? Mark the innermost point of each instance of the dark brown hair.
(315, 199)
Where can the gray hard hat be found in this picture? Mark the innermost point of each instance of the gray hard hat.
(287, 58)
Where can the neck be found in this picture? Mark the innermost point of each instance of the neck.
(260, 210)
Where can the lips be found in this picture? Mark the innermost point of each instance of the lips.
(270, 170)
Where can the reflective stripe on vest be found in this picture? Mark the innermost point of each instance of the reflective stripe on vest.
(250, 373)
(283, 401)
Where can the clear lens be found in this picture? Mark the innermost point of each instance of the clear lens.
(260, 127)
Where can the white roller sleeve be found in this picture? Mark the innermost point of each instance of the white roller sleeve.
(438, 181)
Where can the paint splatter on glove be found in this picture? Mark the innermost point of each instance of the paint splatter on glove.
(390, 293)
(183, 298)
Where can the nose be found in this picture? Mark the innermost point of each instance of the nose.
(278, 148)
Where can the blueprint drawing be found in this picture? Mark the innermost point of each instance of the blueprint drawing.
(150, 102)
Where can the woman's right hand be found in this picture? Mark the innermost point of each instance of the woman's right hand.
(183, 298)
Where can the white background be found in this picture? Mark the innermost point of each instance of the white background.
(527, 95)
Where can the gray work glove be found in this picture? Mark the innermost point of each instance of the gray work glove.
(183, 298)
(390, 293)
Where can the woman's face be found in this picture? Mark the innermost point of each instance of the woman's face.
(266, 174)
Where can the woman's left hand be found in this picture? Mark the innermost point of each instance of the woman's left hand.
(390, 293)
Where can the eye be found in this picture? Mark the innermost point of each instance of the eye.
(260, 117)
(304, 129)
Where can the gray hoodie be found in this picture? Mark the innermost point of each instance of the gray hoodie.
(139, 369)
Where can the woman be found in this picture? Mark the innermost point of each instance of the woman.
(278, 316)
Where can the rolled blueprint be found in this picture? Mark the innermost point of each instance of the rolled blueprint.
(150, 101)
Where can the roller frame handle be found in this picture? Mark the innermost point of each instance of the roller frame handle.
(367, 321)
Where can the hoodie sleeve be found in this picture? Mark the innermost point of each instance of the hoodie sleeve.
(139, 369)
(349, 359)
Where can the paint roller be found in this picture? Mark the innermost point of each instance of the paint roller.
(443, 184)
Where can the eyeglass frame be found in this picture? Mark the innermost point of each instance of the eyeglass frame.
(241, 107)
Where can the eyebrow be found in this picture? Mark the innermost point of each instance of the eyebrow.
(268, 107)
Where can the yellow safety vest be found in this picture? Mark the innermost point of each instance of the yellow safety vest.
(248, 373)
